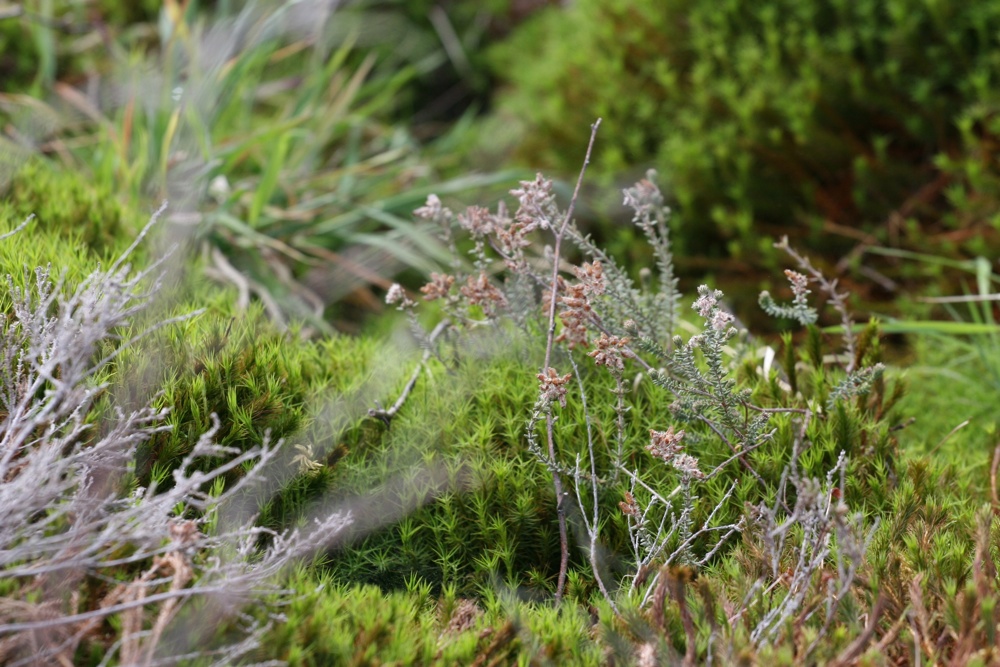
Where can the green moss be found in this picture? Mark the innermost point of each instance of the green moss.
(68, 206)
(331, 624)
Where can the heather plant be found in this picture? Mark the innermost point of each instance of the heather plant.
(679, 510)
(712, 487)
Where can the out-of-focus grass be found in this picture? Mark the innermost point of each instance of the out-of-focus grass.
(954, 367)
(270, 132)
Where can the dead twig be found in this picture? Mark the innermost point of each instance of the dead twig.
(386, 415)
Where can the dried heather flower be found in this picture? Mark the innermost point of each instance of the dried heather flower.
(537, 203)
(433, 210)
(553, 386)
(510, 239)
(438, 287)
(577, 310)
(591, 277)
(574, 317)
(481, 292)
(629, 507)
(665, 445)
(610, 352)
(476, 220)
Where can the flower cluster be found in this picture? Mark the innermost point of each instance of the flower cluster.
(481, 292)
(610, 351)
(666, 445)
(707, 306)
(553, 386)
(397, 295)
(477, 220)
(537, 203)
(438, 287)
(629, 506)
(800, 286)
(644, 198)
(433, 210)
(577, 310)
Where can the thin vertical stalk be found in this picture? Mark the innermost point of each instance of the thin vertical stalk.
(550, 338)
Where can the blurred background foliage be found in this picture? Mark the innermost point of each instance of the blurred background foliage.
(293, 139)
(846, 125)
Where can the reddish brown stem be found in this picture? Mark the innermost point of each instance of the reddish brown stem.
(556, 477)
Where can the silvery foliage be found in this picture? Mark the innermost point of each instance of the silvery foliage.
(798, 547)
(65, 518)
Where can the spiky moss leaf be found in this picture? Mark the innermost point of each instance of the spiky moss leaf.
(333, 624)
(75, 227)
(67, 204)
(263, 385)
(31, 248)
(240, 374)
(499, 502)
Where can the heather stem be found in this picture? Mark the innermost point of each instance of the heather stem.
(556, 477)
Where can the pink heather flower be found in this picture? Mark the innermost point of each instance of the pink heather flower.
(687, 465)
(721, 319)
(800, 283)
(707, 301)
(432, 210)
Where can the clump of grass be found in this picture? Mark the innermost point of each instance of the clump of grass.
(268, 129)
